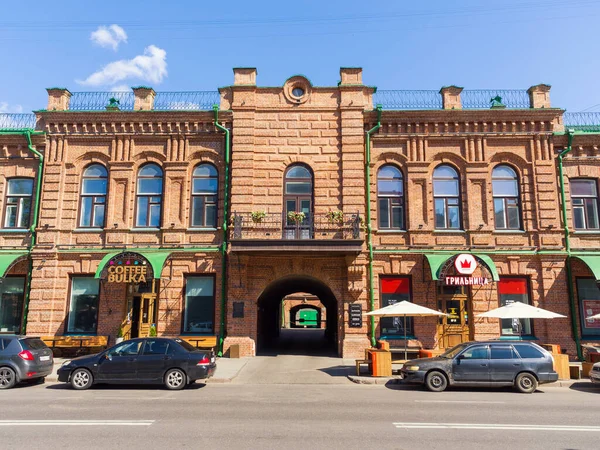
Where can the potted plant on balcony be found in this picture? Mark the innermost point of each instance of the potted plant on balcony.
(296, 217)
(258, 216)
(119, 335)
(335, 217)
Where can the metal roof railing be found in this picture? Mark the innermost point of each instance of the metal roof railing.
(10, 121)
(582, 121)
(98, 101)
(186, 101)
(409, 100)
(485, 98)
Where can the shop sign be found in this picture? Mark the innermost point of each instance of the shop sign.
(591, 308)
(127, 274)
(355, 315)
(465, 264)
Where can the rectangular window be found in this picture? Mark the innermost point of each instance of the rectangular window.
(83, 310)
(589, 305)
(199, 311)
(584, 201)
(394, 290)
(512, 290)
(18, 203)
(12, 291)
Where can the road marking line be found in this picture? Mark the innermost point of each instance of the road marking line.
(84, 423)
(458, 401)
(490, 426)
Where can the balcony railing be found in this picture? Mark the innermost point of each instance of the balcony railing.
(409, 100)
(16, 121)
(470, 99)
(486, 98)
(98, 101)
(277, 226)
(186, 101)
(582, 121)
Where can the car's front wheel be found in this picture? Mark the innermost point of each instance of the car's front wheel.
(8, 378)
(175, 379)
(436, 381)
(81, 379)
(526, 383)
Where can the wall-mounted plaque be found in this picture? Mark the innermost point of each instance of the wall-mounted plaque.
(238, 310)
(355, 315)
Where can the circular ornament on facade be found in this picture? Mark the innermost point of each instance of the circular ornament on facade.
(465, 264)
(297, 89)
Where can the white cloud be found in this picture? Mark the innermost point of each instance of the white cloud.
(151, 66)
(6, 108)
(110, 36)
(120, 88)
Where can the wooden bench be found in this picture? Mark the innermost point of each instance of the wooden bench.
(411, 353)
(201, 341)
(76, 342)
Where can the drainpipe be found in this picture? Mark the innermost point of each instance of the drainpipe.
(225, 231)
(368, 217)
(573, 308)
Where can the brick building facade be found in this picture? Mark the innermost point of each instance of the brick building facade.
(299, 189)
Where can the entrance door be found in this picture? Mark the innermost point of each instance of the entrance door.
(147, 303)
(454, 328)
(298, 229)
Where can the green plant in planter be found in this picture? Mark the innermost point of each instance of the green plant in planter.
(335, 217)
(296, 217)
(152, 330)
(120, 332)
(258, 216)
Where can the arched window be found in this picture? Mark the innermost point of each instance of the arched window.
(390, 195)
(297, 197)
(149, 196)
(505, 190)
(17, 207)
(584, 200)
(205, 183)
(446, 196)
(93, 197)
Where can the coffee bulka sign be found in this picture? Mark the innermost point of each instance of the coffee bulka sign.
(126, 268)
(465, 264)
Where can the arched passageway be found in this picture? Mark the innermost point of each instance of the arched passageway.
(272, 339)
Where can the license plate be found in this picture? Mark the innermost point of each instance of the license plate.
(212, 360)
(44, 358)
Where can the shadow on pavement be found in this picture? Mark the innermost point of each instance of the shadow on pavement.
(399, 386)
(585, 386)
(337, 371)
(126, 387)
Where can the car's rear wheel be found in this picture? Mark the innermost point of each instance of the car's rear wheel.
(81, 379)
(8, 378)
(175, 379)
(526, 383)
(436, 381)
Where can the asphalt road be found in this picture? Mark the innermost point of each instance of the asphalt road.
(249, 416)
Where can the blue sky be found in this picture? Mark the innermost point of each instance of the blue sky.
(193, 45)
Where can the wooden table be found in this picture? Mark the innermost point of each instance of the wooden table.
(81, 340)
(196, 340)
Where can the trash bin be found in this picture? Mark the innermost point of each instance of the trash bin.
(234, 351)
(380, 363)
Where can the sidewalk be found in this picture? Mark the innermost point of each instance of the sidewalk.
(227, 370)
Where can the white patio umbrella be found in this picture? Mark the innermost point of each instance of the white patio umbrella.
(519, 310)
(405, 309)
(597, 316)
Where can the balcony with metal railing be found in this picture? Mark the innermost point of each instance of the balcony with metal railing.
(329, 232)
(9, 121)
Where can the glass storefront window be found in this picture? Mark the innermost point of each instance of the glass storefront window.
(199, 311)
(589, 305)
(83, 311)
(12, 291)
(512, 290)
(394, 290)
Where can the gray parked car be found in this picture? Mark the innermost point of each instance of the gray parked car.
(521, 364)
(23, 358)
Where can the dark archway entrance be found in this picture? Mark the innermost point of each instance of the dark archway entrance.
(272, 339)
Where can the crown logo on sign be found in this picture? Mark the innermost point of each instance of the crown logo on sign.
(465, 264)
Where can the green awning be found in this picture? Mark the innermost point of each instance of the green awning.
(593, 263)
(436, 262)
(155, 258)
(7, 259)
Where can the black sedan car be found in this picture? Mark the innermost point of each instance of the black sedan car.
(169, 361)
(521, 364)
(23, 358)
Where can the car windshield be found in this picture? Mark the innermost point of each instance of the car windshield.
(452, 352)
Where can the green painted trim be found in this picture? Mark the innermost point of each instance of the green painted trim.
(393, 337)
(140, 249)
(436, 261)
(528, 337)
(155, 258)
(6, 259)
(593, 263)
(368, 218)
